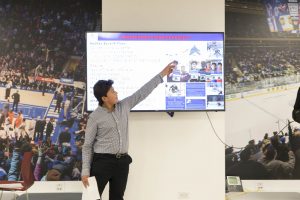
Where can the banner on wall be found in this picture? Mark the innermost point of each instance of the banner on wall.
(283, 15)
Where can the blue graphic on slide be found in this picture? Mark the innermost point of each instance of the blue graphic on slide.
(195, 89)
(175, 103)
(195, 104)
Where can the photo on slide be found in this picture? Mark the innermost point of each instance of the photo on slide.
(175, 89)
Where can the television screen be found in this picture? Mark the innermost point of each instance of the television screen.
(283, 15)
(131, 59)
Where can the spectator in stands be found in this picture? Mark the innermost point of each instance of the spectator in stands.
(39, 163)
(22, 132)
(44, 88)
(55, 174)
(11, 117)
(8, 87)
(3, 170)
(294, 138)
(230, 158)
(248, 169)
(7, 125)
(16, 100)
(59, 99)
(252, 147)
(258, 153)
(266, 139)
(21, 146)
(281, 149)
(18, 122)
(3, 174)
(64, 136)
(6, 107)
(49, 128)
(2, 119)
(67, 104)
(31, 128)
(278, 169)
(39, 129)
(76, 172)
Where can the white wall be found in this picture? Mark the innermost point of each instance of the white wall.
(179, 157)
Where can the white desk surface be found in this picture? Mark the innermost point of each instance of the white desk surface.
(263, 196)
(7, 195)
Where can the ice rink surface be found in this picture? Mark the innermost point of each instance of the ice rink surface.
(250, 116)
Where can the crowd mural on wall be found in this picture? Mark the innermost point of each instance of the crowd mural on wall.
(264, 62)
(42, 86)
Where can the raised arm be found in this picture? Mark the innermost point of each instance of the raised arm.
(146, 89)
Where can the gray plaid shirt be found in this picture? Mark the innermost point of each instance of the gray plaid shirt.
(107, 132)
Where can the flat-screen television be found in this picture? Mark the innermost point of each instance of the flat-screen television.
(131, 59)
(283, 15)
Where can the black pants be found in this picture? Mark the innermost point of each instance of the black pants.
(15, 104)
(7, 92)
(108, 168)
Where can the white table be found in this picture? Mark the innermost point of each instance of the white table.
(8, 195)
(263, 196)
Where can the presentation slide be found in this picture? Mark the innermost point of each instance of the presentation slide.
(132, 59)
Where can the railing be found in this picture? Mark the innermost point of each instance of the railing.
(266, 83)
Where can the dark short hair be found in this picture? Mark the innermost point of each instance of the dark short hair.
(245, 154)
(271, 152)
(101, 88)
(59, 167)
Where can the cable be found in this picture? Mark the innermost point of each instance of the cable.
(255, 105)
(216, 134)
(226, 145)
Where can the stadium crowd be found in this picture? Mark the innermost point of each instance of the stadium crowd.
(255, 54)
(37, 40)
(39, 37)
(51, 161)
(272, 157)
(258, 63)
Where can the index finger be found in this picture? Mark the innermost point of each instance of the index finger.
(86, 183)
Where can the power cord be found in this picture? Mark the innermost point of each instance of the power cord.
(216, 134)
(226, 145)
